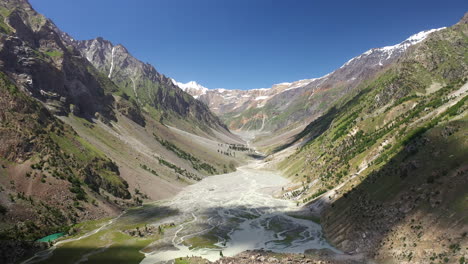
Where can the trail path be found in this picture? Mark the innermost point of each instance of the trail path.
(42, 255)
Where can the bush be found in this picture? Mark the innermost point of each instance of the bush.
(3, 209)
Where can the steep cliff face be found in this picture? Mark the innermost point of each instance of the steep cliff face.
(145, 86)
(35, 63)
(385, 165)
(36, 58)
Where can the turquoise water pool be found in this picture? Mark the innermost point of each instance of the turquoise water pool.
(50, 238)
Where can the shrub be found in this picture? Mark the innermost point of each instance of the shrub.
(3, 209)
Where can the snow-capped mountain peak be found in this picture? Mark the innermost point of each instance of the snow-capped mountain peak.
(413, 39)
(418, 37)
(387, 52)
(192, 87)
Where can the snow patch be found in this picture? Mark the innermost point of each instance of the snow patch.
(112, 63)
(134, 90)
(261, 97)
(388, 51)
(261, 89)
(300, 83)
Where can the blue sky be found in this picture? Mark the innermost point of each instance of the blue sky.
(245, 44)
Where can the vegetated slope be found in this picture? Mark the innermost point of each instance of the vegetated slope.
(387, 166)
(73, 146)
(49, 176)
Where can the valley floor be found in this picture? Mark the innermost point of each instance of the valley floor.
(221, 215)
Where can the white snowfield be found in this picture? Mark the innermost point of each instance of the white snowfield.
(263, 97)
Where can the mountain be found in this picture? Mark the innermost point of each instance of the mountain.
(223, 101)
(147, 87)
(385, 166)
(375, 151)
(289, 105)
(51, 177)
(87, 130)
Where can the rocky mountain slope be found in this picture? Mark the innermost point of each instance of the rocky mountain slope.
(387, 164)
(143, 85)
(285, 106)
(81, 138)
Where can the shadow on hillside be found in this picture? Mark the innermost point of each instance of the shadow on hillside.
(313, 130)
(424, 180)
(104, 255)
(148, 213)
(116, 253)
(256, 156)
(321, 124)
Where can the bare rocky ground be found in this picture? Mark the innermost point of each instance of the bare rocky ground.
(268, 257)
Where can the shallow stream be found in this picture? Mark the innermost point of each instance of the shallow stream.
(232, 213)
